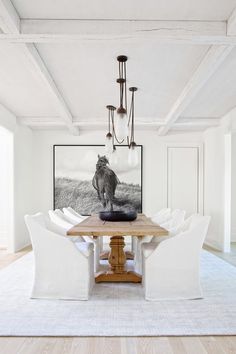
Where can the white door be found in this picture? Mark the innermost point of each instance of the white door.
(183, 179)
(4, 192)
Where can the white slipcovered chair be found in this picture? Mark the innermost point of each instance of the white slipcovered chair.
(176, 220)
(72, 214)
(162, 216)
(58, 217)
(171, 268)
(177, 229)
(63, 269)
(70, 211)
(174, 225)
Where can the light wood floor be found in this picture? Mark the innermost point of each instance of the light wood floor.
(116, 345)
(228, 257)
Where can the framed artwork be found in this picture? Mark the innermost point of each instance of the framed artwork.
(76, 183)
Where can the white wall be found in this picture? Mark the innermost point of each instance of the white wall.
(5, 202)
(33, 172)
(20, 180)
(214, 185)
(154, 163)
(233, 190)
(23, 183)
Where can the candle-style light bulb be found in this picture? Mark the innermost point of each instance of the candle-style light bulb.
(113, 157)
(109, 144)
(121, 124)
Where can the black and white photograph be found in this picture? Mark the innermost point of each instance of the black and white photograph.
(79, 184)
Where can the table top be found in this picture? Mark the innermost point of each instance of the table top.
(94, 226)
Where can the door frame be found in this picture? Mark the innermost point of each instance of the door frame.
(200, 148)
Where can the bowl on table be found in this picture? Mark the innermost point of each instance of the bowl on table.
(118, 215)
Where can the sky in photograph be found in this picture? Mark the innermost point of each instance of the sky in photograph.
(79, 162)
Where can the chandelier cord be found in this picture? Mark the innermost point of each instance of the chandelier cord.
(109, 121)
(122, 83)
(131, 120)
(114, 132)
(125, 86)
(132, 124)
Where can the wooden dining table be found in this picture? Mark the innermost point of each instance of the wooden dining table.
(95, 227)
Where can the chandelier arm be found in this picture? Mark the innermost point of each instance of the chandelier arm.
(121, 94)
(126, 106)
(128, 143)
(112, 120)
(130, 111)
(114, 132)
(131, 118)
(109, 120)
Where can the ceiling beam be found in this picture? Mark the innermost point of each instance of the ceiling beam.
(9, 18)
(140, 124)
(209, 64)
(197, 122)
(41, 70)
(231, 24)
(10, 23)
(190, 32)
(88, 124)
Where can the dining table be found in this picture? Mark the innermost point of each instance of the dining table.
(117, 230)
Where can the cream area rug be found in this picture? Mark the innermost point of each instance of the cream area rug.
(118, 309)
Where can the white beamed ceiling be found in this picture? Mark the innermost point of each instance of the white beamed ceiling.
(21, 90)
(218, 96)
(61, 74)
(86, 74)
(210, 10)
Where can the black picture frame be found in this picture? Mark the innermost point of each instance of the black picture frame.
(94, 145)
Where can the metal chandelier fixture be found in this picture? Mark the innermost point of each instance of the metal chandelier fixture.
(121, 127)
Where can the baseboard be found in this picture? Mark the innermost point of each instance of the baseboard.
(213, 244)
(22, 248)
(233, 235)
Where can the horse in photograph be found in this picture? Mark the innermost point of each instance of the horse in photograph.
(105, 182)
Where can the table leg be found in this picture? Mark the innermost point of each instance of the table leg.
(105, 254)
(117, 260)
(117, 257)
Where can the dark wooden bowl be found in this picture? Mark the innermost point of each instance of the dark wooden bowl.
(118, 215)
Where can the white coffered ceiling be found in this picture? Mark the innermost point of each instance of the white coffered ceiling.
(213, 10)
(58, 61)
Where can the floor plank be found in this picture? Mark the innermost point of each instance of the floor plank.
(212, 345)
(118, 345)
(229, 257)
(193, 345)
(11, 345)
(7, 258)
(177, 345)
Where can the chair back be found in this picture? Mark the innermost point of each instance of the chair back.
(177, 218)
(60, 220)
(72, 216)
(162, 216)
(187, 244)
(37, 227)
(71, 210)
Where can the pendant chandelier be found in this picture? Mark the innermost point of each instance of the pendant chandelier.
(120, 126)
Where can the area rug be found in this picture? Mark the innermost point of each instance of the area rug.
(118, 309)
